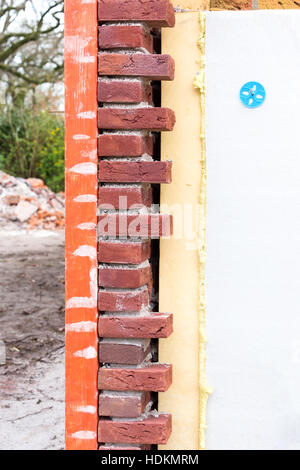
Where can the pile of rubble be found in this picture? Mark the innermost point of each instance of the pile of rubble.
(30, 204)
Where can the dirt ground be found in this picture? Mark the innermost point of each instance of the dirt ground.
(31, 340)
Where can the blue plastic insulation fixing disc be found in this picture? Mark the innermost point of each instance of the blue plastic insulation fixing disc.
(252, 94)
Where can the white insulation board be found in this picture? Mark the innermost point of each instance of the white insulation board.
(253, 231)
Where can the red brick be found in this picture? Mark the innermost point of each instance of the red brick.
(125, 278)
(124, 145)
(150, 430)
(152, 119)
(123, 404)
(135, 172)
(125, 36)
(123, 91)
(158, 13)
(124, 447)
(126, 197)
(155, 378)
(12, 199)
(151, 66)
(124, 300)
(139, 225)
(156, 325)
(123, 252)
(116, 352)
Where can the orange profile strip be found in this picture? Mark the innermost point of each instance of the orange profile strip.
(81, 239)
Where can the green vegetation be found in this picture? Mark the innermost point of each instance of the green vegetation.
(32, 144)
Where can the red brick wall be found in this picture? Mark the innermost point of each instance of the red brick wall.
(128, 63)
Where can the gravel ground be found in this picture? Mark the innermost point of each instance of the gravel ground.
(31, 340)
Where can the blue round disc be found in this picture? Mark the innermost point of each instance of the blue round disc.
(252, 94)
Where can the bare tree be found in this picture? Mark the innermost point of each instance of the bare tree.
(31, 34)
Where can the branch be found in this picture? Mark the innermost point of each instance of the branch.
(11, 70)
(32, 55)
(12, 8)
(11, 12)
(33, 35)
(46, 78)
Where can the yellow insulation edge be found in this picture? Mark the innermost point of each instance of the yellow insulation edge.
(205, 390)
